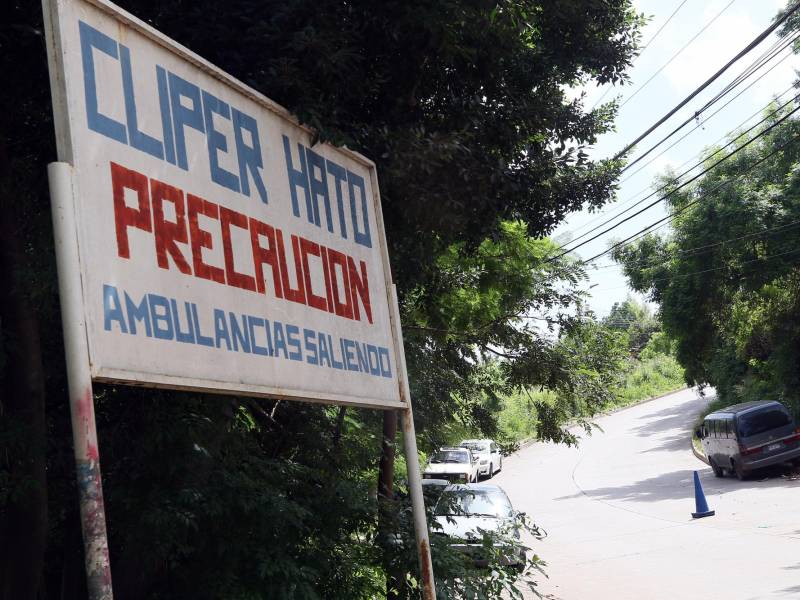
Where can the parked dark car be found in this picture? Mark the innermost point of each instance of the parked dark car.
(432, 489)
(749, 436)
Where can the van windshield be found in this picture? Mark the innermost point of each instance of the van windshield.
(761, 421)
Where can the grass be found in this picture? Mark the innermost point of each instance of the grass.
(649, 378)
(645, 379)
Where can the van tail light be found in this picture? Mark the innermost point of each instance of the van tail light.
(749, 451)
(792, 438)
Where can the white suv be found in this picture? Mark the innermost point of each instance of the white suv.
(490, 460)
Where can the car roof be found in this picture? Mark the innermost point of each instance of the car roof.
(489, 487)
(430, 481)
(743, 407)
(459, 448)
(486, 440)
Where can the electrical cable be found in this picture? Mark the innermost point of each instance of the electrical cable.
(693, 117)
(726, 182)
(650, 41)
(698, 126)
(677, 177)
(660, 29)
(755, 42)
(688, 252)
(680, 185)
(634, 197)
(678, 53)
(704, 271)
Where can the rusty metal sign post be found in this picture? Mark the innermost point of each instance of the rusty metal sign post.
(412, 464)
(206, 242)
(81, 399)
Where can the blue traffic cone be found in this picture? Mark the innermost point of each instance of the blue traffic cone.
(700, 500)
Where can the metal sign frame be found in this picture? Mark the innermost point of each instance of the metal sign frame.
(81, 373)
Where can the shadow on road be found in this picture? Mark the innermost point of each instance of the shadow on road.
(679, 484)
(676, 421)
(791, 590)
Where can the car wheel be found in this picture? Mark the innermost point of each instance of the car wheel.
(741, 474)
(718, 471)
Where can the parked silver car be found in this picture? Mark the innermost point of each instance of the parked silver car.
(749, 436)
(465, 513)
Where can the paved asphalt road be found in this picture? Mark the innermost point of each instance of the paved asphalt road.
(618, 514)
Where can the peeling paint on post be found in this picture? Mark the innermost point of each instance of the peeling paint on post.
(90, 490)
(427, 574)
(98, 571)
(418, 505)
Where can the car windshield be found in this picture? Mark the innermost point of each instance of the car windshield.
(450, 456)
(475, 446)
(466, 502)
(760, 421)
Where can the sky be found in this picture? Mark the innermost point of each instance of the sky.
(729, 33)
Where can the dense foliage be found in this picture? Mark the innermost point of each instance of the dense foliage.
(642, 365)
(479, 152)
(726, 278)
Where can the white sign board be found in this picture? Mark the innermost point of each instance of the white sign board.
(219, 250)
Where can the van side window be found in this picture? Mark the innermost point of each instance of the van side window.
(729, 428)
(713, 424)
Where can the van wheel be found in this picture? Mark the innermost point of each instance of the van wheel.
(718, 471)
(741, 474)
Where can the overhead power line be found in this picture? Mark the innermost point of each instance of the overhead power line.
(696, 116)
(678, 53)
(663, 25)
(709, 117)
(698, 250)
(650, 41)
(610, 215)
(688, 205)
(760, 259)
(755, 42)
(672, 182)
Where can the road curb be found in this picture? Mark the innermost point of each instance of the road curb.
(616, 409)
(697, 455)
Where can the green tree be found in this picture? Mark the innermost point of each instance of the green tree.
(726, 278)
(636, 320)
